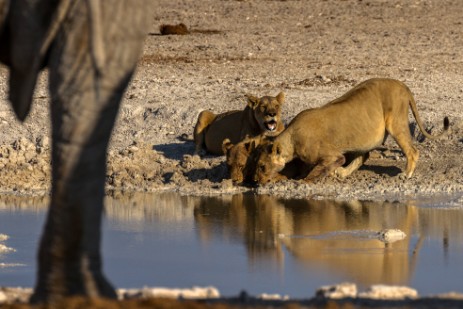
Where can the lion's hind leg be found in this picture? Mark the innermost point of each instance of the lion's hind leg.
(397, 126)
(205, 119)
(404, 140)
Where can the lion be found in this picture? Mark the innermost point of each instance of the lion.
(241, 160)
(260, 116)
(354, 124)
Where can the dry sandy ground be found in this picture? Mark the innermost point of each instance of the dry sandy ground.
(314, 51)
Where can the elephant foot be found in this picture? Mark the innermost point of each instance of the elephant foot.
(53, 291)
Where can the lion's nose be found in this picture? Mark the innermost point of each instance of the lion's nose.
(272, 114)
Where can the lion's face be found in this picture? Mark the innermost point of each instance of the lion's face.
(269, 163)
(237, 159)
(267, 112)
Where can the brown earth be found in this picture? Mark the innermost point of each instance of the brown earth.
(314, 51)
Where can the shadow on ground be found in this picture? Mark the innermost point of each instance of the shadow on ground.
(215, 174)
(175, 151)
(390, 171)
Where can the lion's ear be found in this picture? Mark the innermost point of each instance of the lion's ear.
(252, 101)
(226, 146)
(281, 97)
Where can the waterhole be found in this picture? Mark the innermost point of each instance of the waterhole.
(257, 243)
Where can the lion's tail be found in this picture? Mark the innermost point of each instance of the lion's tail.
(412, 104)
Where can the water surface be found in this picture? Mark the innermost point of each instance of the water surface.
(258, 243)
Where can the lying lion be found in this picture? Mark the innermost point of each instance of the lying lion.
(261, 116)
(241, 160)
(353, 124)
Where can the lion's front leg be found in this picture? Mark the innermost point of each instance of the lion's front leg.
(355, 164)
(325, 166)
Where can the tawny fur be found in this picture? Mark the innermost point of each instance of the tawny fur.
(241, 160)
(260, 116)
(353, 124)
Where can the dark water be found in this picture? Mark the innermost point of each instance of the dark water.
(258, 243)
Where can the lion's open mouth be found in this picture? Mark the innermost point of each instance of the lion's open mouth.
(270, 125)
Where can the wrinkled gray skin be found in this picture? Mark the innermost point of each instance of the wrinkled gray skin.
(90, 48)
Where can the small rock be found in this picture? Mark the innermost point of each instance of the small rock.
(380, 291)
(391, 235)
(29, 167)
(2, 297)
(15, 295)
(337, 291)
(193, 293)
(42, 142)
(227, 184)
(265, 296)
(29, 155)
(133, 149)
(5, 249)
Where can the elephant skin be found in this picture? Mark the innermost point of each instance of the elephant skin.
(91, 48)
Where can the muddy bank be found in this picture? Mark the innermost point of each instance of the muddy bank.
(25, 169)
(335, 296)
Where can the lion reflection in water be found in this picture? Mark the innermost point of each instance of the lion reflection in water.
(267, 224)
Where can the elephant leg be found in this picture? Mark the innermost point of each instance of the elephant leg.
(4, 4)
(85, 101)
(69, 259)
